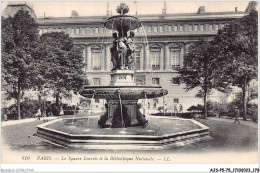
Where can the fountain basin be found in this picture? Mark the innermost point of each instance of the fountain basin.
(126, 92)
(170, 132)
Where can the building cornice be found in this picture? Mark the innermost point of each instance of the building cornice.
(99, 20)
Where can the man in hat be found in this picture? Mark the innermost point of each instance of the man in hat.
(237, 115)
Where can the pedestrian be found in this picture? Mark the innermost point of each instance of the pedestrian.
(175, 110)
(50, 114)
(61, 111)
(180, 108)
(148, 106)
(5, 117)
(237, 115)
(44, 114)
(38, 114)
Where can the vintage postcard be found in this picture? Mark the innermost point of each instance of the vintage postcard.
(134, 82)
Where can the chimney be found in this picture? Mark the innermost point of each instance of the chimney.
(251, 6)
(164, 8)
(201, 10)
(108, 9)
(74, 13)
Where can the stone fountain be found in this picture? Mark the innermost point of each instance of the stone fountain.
(122, 111)
(122, 95)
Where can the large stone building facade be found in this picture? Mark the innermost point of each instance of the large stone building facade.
(161, 44)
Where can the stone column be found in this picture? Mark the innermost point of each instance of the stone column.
(166, 57)
(108, 58)
(85, 57)
(162, 59)
(89, 58)
(183, 53)
(142, 59)
(103, 59)
(146, 58)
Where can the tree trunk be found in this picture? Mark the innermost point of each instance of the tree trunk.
(18, 103)
(40, 100)
(205, 105)
(244, 88)
(58, 102)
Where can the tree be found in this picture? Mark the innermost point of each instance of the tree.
(198, 70)
(235, 48)
(61, 64)
(19, 41)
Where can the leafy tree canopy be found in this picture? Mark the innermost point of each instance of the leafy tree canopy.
(19, 41)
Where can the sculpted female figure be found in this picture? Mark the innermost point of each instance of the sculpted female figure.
(118, 52)
(130, 51)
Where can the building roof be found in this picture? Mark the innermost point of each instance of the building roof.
(145, 18)
(12, 9)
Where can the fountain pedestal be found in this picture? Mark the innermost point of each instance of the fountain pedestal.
(122, 78)
(121, 108)
(128, 112)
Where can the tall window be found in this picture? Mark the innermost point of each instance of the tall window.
(91, 30)
(155, 29)
(210, 27)
(201, 27)
(149, 28)
(175, 28)
(96, 30)
(175, 100)
(156, 81)
(155, 57)
(181, 28)
(137, 60)
(190, 27)
(216, 27)
(195, 27)
(77, 30)
(169, 28)
(175, 58)
(160, 28)
(96, 53)
(96, 81)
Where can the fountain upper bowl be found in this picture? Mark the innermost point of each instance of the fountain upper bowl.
(126, 92)
(129, 22)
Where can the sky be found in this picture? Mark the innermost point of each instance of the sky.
(90, 8)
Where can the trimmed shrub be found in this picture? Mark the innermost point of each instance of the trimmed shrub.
(28, 109)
